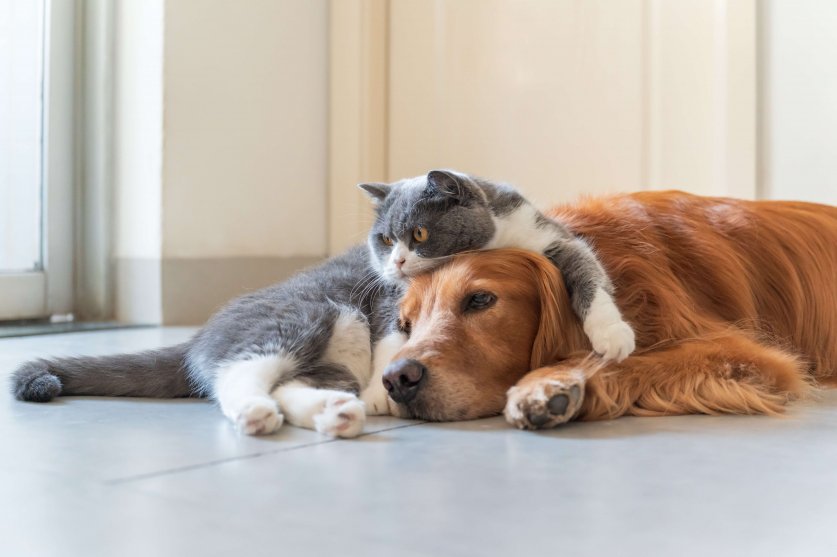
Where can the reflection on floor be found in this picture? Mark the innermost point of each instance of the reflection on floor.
(108, 477)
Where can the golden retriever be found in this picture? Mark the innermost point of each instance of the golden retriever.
(734, 304)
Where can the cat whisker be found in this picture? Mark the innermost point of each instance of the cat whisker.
(372, 287)
(364, 284)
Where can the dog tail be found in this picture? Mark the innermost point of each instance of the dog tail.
(153, 374)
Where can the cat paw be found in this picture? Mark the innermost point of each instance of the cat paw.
(611, 337)
(342, 416)
(614, 341)
(546, 403)
(259, 417)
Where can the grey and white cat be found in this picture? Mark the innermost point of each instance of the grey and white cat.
(422, 221)
(312, 350)
(302, 351)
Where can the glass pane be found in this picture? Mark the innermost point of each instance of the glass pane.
(21, 71)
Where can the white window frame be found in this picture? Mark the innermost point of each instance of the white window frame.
(49, 291)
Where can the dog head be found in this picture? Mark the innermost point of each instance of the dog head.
(476, 326)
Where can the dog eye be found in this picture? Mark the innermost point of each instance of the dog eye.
(405, 326)
(479, 300)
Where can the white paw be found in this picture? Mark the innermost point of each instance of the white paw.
(342, 416)
(611, 337)
(259, 416)
(376, 399)
(546, 403)
(614, 341)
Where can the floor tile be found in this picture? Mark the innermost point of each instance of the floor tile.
(109, 439)
(104, 476)
(679, 485)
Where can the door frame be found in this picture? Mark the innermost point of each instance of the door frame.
(358, 92)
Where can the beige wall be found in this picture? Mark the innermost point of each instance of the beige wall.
(545, 95)
(245, 128)
(221, 145)
(565, 98)
(242, 127)
(799, 101)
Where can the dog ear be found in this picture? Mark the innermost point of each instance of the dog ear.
(559, 332)
(545, 348)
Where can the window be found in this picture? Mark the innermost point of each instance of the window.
(36, 161)
(21, 69)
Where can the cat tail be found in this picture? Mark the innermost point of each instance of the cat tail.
(153, 374)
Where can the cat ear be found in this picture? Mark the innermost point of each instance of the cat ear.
(376, 192)
(448, 184)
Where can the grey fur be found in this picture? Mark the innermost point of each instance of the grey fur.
(457, 212)
(324, 375)
(503, 199)
(581, 270)
(154, 374)
(461, 212)
(296, 317)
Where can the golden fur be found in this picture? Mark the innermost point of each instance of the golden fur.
(734, 304)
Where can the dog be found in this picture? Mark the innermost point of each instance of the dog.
(734, 304)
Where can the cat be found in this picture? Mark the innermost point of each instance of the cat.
(302, 351)
(422, 221)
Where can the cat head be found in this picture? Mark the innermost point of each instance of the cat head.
(421, 221)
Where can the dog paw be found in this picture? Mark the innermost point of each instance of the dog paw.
(342, 416)
(546, 403)
(614, 341)
(259, 417)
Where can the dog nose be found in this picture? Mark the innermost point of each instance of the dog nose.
(402, 379)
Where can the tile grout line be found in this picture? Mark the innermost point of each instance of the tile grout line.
(211, 463)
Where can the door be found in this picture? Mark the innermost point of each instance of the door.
(36, 157)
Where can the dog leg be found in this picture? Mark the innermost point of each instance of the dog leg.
(717, 374)
(546, 397)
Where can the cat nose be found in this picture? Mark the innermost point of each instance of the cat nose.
(402, 379)
(400, 262)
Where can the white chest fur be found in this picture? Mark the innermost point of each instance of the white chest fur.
(519, 229)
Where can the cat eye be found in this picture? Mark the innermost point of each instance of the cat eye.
(386, 240)
(478, 301)
(420, 234)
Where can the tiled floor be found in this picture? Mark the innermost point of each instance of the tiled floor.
(112, 477)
